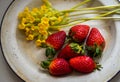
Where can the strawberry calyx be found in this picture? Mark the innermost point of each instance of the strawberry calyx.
(45, 64)
(50, 52)
(77, 48)
(95, 50)
(98, 66)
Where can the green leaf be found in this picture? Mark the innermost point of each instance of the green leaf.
(76, 47)
(94, 51)
(98, 67)
(50, 52)
(45, 64)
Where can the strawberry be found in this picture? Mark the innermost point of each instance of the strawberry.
(79, 33)
(95, 43)
(70, 50)
(57, 67)
(55, 42)
(83, 64)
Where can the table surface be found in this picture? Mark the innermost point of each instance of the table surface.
(6, 73)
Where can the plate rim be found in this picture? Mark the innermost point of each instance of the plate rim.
(18, 75)
(4, 14)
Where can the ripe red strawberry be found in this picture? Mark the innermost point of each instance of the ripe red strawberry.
(70, 50)
(95, 43)
(79, 32)
(57, 67)
(83, 64)
(55, 42)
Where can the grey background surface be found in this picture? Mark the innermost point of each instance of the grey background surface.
(6, 74)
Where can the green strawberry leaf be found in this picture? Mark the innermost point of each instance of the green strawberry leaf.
(77, 48)
(45, 64)
(98, 67)
(50, 52)
(94, 51)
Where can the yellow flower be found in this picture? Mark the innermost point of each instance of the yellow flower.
(27, 32)
(46, 26)
(21, 26)
(43, 7)
(45, 19)
(41, 26)
(44, 32)
(30, 19)
(36, 22)
(20, 15)
(59, 19)
(23, 20)
(30, 37)
(66, 14)
(27, 29)
(26, 15)
(26, 9)
(43, 41)
(52, 23)
(45, 23)
(38, 42)
(32, 28)
(35, 10)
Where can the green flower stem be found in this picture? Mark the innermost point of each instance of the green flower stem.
(92, 8)
(80, 4)
(108, 13)
(97, 18)
(91, 12)
(68, 24)
(47, 3)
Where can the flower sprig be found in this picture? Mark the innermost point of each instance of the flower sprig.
(38, 23)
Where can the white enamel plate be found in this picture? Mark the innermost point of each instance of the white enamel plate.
(24, 57)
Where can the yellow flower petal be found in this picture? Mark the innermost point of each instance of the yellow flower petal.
(66, 14)
(45, 19)
(26, 9)
(43, 7)
(30, 37)
(27, 29)
(21, 26)
(23, 20)
(38, 42)
(35, 10)
(59, 19)
(32, 28)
